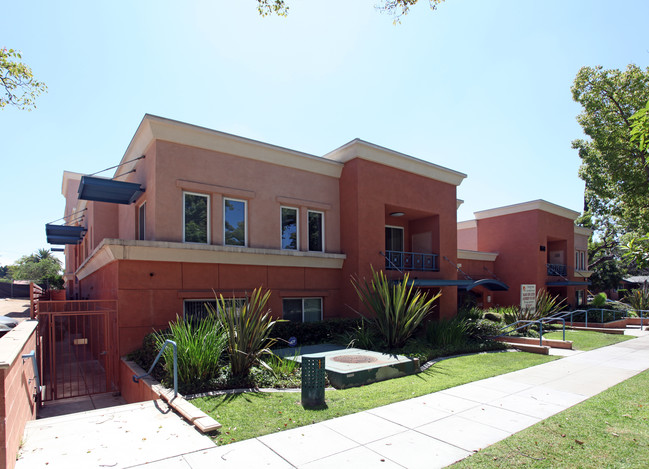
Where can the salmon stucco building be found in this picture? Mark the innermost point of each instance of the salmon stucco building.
(191, 212)
(532, 243)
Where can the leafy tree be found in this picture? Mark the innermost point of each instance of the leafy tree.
(4, 271)
(614, 166)
(396, 8)
(17, 79)
(41, 267)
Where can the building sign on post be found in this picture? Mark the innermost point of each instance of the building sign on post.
(528, 298)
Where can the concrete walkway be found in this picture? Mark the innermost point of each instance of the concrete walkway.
(429, 431)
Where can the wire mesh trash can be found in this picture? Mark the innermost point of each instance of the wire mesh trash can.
(313, 381)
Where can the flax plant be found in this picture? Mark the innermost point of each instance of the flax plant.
(398, 308)
(248, 328)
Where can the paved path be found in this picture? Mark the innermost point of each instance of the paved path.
(429, 431)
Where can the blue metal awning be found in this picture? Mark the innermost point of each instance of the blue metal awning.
(489, 284)
(108, 190)
(567, 283)
(64, 234)
(440, 283)
(57, 250)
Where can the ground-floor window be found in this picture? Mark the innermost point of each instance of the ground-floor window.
(580, 298)
(302, 309)
(197, 309)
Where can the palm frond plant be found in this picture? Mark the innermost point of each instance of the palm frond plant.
(200, 345)
(248, 327)
(397, 307)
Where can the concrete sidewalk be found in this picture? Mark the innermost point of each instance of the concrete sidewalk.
(429, 431)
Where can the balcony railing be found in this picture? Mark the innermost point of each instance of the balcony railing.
(557, 270)
(419, 261)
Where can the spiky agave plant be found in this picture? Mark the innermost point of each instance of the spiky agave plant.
(248, 327)
(397, 307)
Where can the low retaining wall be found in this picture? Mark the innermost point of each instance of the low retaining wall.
(143, 390)
(148, 389)
(17, 399)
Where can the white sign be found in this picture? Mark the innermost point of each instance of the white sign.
(528, 298)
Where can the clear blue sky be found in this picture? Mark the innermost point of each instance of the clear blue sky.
(482, 87)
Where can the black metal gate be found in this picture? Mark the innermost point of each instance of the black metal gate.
(78, 347)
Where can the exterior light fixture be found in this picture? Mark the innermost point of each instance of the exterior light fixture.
(397, 214)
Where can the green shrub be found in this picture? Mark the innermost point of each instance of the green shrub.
(397, 308)
(364, 335)
(473, 313)
(482, 329)
(308, 333)
(599, 300)
(248, 328)
(200, 345)
(145, 355)
(446, 332)
(493, 316)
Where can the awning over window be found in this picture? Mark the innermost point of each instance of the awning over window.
(489, 284)
(108, 190)
(567, 283)
(64, 234)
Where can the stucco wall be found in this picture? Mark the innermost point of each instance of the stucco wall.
(370, 192)
(264, 186)
(17, 383)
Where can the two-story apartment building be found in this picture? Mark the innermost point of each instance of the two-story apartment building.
(191, 212)
(531, 243)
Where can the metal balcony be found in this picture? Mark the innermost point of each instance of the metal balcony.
(557, 270)
(417, 261)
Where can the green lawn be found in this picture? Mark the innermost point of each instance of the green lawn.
(609, 430)
(250, 415)
(588, 340)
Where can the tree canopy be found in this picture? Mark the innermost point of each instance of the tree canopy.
(18, 85)
(396, 8)
(40, 267)
(614, 163)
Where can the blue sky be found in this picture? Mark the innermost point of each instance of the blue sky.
(480, 87)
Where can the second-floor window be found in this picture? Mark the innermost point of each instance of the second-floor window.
(289, 228)
(234, 222)
(141, 221)
(316, 231)
(580, 260)
(196, 209)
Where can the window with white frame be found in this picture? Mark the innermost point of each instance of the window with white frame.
(302, 309)
(580, 260)
(289, 228)
(141, 221)
(196, 218)
(316, 231)
(199, 309)
(234, 222)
